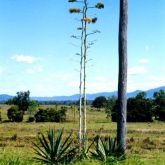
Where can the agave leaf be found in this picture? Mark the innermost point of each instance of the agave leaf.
(44, 143)
(114, 148)
(69, 155)
(51, 138)
(102, 148)
(65, 148)
(39, 151)
(67, 139)
(53, 150)
(58, 142)
(42, 160)
(90, 146)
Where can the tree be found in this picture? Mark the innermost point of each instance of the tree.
(159, 105)
(122, 76)
(21, 100)
(99, 102)
(139, 109)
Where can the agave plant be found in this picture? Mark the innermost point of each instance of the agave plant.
(53, 149)
(104, 148)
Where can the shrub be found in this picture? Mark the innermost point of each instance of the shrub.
(99, 102)
(51, 115)
(31, 119)
(139, 109)
(32, 107)
(14, 114)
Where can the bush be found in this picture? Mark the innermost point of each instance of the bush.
(139, 109)
(14, 114)
(99, 102)
(31, 119)
(51, 115)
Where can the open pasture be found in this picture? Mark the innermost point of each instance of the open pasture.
(145, 141)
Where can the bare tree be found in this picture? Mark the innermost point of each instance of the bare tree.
(122, 77)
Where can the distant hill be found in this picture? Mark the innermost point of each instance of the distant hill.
(5, 97)
(150, 93)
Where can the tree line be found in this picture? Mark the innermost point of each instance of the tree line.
(139, 108)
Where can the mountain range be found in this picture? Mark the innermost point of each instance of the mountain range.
(150, 92)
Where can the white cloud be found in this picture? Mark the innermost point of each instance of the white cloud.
(102, 86)
(100, 78)
(148, 82)
(137, 70)
(157, 80)
(143, 61)
(24, 58)
(64, 76)
(97, 84)
(74, 84)
(35, 69)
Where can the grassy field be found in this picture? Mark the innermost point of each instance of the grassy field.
(145, 141)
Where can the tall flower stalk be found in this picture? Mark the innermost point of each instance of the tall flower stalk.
(83, 10)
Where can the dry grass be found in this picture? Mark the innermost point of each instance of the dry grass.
(147, 140)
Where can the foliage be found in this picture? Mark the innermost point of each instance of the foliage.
(139, 109)
(51, 115)
(105, 149)
(99, 5)
(32, 108)
(99, 102)
(159, 105)
(111, 101)
(31, 119)
(14, 114)
(72, 0)
(74, 10)
(53, 149)
(21, 100)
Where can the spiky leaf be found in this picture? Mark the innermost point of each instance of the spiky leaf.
(52, 149)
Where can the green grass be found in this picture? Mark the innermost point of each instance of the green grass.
(145, 141)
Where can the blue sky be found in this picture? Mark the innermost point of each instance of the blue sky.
(38, 54)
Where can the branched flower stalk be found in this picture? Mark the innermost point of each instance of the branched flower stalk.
(83, 61)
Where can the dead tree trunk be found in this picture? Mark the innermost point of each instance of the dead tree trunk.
(122, 77)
